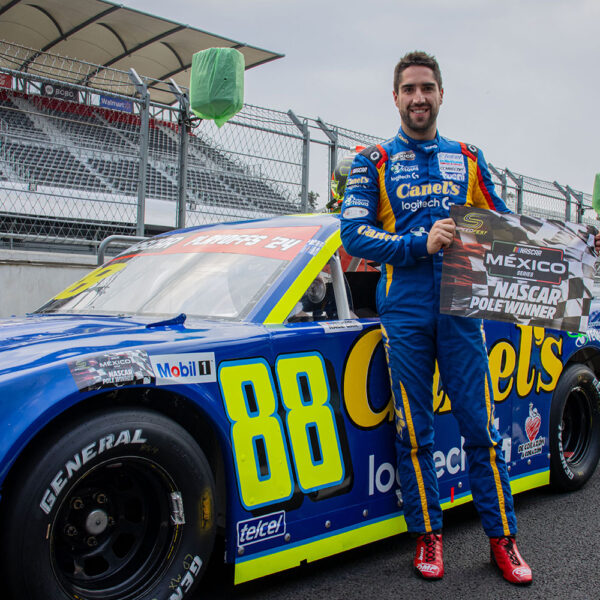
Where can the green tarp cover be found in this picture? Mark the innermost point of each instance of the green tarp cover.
(217, 84)
(596, 194)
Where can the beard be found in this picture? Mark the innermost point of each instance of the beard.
(417, 124)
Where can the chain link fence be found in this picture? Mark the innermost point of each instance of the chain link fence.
(86, 154)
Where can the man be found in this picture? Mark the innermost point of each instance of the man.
(396, 212)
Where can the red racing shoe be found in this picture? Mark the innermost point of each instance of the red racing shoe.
(429, 557)
(505, 555)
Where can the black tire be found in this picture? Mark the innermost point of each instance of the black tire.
(107, 529)
(574, 428)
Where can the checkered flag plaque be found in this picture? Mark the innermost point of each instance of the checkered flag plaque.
(520, 269)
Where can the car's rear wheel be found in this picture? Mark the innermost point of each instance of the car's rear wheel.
(118, 505)
(574, 428)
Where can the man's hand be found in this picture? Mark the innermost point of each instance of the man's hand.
(597, 243)
(442, 234)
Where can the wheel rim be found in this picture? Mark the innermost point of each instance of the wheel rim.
(576, 426)
(113, 532)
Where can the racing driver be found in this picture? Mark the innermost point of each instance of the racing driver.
(396, 212)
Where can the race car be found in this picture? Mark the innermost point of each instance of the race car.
(230, 380)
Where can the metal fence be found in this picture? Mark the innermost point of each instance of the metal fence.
(85, 153)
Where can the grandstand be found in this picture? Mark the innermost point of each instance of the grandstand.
(30, 123)
(73, 136)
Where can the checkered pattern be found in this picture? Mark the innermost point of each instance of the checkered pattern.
(465, 275)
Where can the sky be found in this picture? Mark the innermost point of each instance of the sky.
(521, 78)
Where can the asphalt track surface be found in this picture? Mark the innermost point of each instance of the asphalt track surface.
(559, 536)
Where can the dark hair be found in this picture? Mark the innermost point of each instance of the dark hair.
(421, 59)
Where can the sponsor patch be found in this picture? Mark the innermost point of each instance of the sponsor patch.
(357, 181)
(260, 529)
(358, 170)
(196, 367)
(398, 168)
(406, 155)
(452, 166)
(354, 201)
(354, 212)
(404, 176)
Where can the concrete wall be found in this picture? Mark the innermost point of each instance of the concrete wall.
(29, 279)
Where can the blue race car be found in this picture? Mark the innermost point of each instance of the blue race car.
(230, 379)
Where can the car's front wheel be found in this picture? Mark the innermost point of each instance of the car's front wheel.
(574, 428)
(115, 506)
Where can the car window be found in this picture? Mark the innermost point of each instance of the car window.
(211, 285)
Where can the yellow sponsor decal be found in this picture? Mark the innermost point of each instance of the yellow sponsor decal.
(356, 383)
(512, 368)
(89, 280)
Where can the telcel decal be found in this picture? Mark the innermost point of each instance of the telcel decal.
(260, 529)
(533, 363)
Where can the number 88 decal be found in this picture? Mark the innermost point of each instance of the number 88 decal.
(258, 433)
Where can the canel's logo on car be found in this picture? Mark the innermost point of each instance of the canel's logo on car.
(196, 367)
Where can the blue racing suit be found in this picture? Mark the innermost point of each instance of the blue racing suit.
(394, 193)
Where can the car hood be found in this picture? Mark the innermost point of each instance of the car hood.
(35, 340)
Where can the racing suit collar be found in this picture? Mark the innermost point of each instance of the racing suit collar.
(427, 146)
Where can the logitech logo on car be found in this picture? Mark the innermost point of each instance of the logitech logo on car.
(259, 529)
(198, 367)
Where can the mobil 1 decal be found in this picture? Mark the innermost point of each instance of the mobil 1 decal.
(518, 268)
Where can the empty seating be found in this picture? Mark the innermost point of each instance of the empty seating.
(52, 142)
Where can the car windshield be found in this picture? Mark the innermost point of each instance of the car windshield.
(218, 276)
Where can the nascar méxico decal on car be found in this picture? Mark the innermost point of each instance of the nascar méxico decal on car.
(113, 369)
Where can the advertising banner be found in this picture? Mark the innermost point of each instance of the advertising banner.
(520, 269)
(6, 80)
(62, 92)
(116, 103)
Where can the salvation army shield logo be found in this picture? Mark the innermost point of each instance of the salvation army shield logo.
(519, 269)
